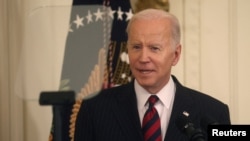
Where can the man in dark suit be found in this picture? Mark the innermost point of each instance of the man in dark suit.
(117, 114)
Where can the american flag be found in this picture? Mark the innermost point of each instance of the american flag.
(95, 53)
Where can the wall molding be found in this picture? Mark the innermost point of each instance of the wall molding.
(191, 43)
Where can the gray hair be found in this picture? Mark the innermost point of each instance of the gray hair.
(157, 14)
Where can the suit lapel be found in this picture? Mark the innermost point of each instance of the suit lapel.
(182, 103)
(126, 112)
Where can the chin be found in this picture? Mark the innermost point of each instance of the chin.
(145, 83)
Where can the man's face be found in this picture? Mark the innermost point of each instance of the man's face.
(151, 53)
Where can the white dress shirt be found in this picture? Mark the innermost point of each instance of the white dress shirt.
(163, 106)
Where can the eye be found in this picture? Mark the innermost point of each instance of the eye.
(136, 47)
(155, 48)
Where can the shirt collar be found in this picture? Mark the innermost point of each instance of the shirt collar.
(165, 95)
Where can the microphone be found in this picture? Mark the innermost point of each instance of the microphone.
(187, 127)
(208, 120)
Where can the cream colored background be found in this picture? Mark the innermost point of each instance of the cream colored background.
(215, 58)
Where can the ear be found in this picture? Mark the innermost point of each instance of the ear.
(177, 54)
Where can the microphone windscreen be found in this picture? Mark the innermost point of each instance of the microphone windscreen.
(57, 98)
(208, 120)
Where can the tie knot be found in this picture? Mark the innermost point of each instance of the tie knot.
(152, 100)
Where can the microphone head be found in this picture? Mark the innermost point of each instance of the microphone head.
(57, 97)
(208, 120)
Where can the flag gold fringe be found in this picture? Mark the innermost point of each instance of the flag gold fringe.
(93, 85)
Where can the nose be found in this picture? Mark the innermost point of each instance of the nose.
(144, 55)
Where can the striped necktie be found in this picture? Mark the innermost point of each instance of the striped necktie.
(151, 125)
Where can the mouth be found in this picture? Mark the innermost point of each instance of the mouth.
(145, 71)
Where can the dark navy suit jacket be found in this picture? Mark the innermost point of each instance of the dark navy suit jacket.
(112, 114)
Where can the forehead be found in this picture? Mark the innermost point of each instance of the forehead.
(154, 23)
(150, 27)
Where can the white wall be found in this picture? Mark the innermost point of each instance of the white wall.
(46, 24)
(216, 38)
(241, 56)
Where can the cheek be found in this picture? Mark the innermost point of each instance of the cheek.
(131, 59)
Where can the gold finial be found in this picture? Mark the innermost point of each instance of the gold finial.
(157, 4)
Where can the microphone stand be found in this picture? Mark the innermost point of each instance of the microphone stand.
(194, 134)
(197, 135)
(62, 102)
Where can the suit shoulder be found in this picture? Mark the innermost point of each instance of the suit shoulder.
(111, 92)
(204, 97)
(196, 95)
